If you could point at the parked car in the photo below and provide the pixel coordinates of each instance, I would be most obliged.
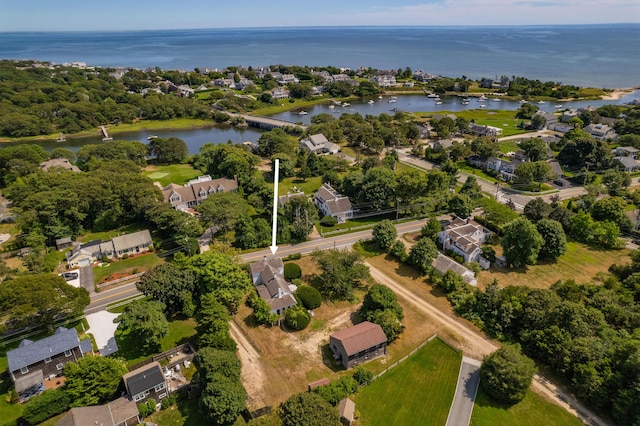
(70, 276)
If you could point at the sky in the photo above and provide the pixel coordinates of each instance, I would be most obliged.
(87, 15)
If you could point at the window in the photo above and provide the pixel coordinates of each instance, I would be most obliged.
(162, 395)
(138, 397)
(67, 352)
(159, 387)
(24, 370)
(60, 366)
(47, 360)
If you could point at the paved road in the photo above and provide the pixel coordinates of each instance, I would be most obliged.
(466, 390)
(99, 301)
(338, 242)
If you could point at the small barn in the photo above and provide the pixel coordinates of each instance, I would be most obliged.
(358, 344)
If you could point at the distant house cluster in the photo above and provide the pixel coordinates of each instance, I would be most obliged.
(332, 203)
(196, 191)
(268, 277)
(129, 244)
(626, 158)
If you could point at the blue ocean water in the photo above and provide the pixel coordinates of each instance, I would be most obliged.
(586, 55)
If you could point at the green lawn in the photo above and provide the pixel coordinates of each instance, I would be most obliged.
(140, 263)
(481, 174)
(417, 392)
(180, 331)
(365, 221)
(173, 173)
(107, 235)
(293, 184)
(533, 410)
(509, 146)
(9, 413)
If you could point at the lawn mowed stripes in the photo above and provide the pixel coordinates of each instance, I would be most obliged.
(417, 392)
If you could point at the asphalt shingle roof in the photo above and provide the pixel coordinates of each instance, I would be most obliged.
(29, 353)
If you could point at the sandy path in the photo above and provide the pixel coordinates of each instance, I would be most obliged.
(475, 345)
(252, 373)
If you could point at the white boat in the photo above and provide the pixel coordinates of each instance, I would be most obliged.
(439, 103)
(465, 102)
(496, 99)
(482, 98)
(332, 106)
(371, 101)
(303, 113)
(61, 138)
(392, 101)
(346, 104)
(437, 98)
(433, 95)
(541, 102)
(522, 101)
(380, 97)
(151, 137)
(482, 106)
(559, 106)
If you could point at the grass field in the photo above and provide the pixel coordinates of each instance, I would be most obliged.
(107, 235)
(174, 173)
(579, 263)
(533, 410)
(417, 392)
(141, 263)
(503, 119)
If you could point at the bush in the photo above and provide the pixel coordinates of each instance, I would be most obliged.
(506, 374)
(337, 390)
(297, 318)
(328, 221)
(362, 376)
(168, 401)
(147, 408)
(399, 250)
(44, 406)
(294, 256)
(292, 271)
(309, 296)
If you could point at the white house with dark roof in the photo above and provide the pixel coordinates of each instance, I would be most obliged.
(319, 144)
(146, 382)
(196, 191)
(332, 203)
(268, 277)
(465, 238)
(627, 151)
(34, 361)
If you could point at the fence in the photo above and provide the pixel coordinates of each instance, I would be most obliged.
(120, 280)
(33, 331)
(404, 358)
(186, 349)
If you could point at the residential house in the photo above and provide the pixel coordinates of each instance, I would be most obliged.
(358, 344)
(422, 76)
(324, 74)
(569, 114)
(268, 277)
(508, 170)
(495, 164)
(319, 144)
(600, 131)
(280, 93)
(443, 264)
(223, 82)
(480, 130)
(465, 238)
(477, 161)
(560, 127)
(285, 198)
(628, 164)
(129, 244)
(550, 118)
(63, 243)
(196, 191)
(384, 80)
(347, 411)
(146, 382)
(34, 361)
(442, 144)
(627, 151)
(62, 163)
(332, 203)
(121, 412)
(185, 90)
(557, 168)
(287, 79)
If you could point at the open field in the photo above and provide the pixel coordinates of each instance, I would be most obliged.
(129, 266)
(417, 392)
(579, 263)
(174, 173)
(533, 410)
(503, 119)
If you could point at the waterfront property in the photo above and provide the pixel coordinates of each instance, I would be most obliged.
(33, 362)
(358, 344)
(319, 144)
(62, 163)
(196, 191)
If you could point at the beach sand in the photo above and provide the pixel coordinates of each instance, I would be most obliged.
(616, 94)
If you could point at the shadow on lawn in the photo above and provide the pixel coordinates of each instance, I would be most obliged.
(327, 359)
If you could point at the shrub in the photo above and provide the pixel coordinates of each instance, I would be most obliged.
(297, 318)
(399, 250)
(125, 256)
(328, 221)
(168, 401)
(506, 375)
(294, 256)
(292, 271)
(44, 406)
(147, 408)
(362, 376)
(337, 390)
(310, 297)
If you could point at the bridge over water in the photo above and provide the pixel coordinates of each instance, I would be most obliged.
(266, 123)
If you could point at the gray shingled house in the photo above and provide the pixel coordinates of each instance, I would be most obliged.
(146, 382)
(121, 412)
(358, 344)
(332, 203)
(268, 277)
(33, 362)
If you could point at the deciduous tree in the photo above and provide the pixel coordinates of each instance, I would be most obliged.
(555, 241)
(384, 234)
(521, 242)
(506, 374)
(145, 322)
(308, 409)
(422, 254)
(341, 272)
(93, 380)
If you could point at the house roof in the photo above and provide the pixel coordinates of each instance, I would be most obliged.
(258, 267)
(318, 139)
(627, 162)
(347, 409)
(285, 198)
(629, 149)
(360, 337)
(339, 206)
(113, 413)
(65, 240)
(443, 264)
(58, 162)
(29, 380)
(282, 302)
(143, 378)
(335, 202)
(128, 241)
(30, 352)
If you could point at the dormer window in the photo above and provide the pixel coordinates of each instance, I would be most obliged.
(211, 190)
(203, 193)
(174, 198)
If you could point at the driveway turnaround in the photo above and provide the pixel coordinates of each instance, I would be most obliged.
(466, 389)
(103, 328)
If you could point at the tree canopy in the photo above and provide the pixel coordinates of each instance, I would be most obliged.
(308, 409)
(506, 374)
(341, 271)
(93, 380)
(172, 286)
(521, 242)
(143, 321)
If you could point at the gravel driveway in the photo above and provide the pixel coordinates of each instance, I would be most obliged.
(103, 328)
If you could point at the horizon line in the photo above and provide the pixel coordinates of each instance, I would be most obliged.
(331, 27)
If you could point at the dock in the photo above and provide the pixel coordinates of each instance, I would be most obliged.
(105, 135)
